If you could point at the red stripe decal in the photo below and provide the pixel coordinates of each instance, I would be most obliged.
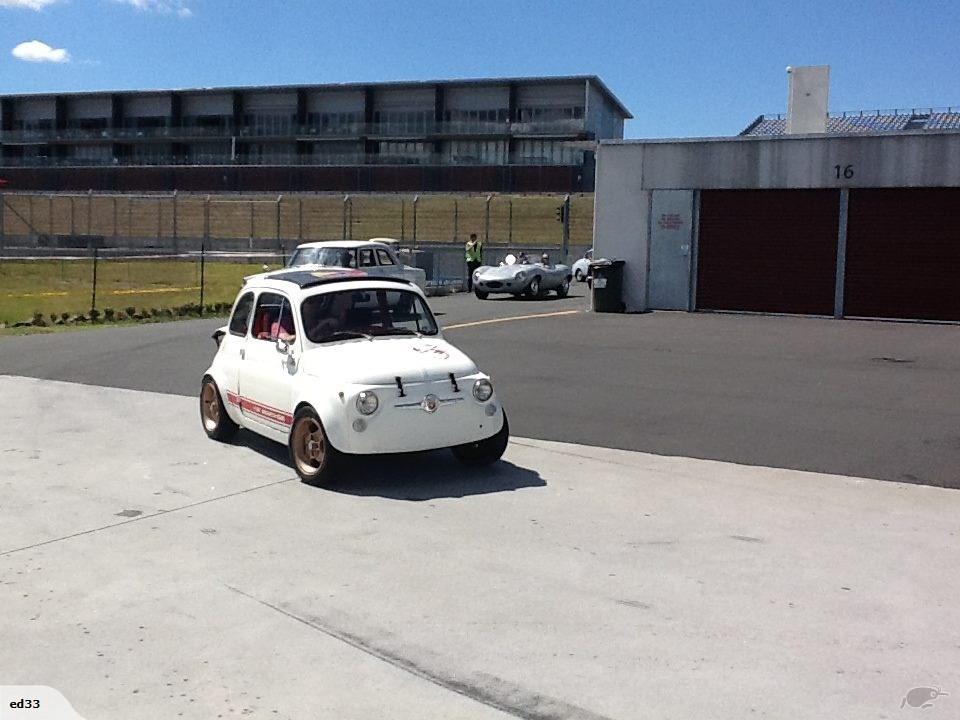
(264, 411)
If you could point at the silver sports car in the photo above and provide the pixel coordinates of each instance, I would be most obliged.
(522, 278)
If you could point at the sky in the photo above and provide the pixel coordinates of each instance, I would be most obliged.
(682, 68)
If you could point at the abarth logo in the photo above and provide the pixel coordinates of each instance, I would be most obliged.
(430, 403)
(921, 697)
(433, 350)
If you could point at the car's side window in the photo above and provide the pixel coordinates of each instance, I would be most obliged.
(366, 258)
(273, 318)
(384, 257)
(241, 315)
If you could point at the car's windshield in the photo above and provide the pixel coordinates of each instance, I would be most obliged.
(365, 313)
(325, 256)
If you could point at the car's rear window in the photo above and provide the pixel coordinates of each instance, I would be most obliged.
(357, 313)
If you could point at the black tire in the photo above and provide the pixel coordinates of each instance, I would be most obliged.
(213, 415)
(305, 433)
(578, 274)
(564, 288)
(533, 289)
(481, 295)
(484, 452)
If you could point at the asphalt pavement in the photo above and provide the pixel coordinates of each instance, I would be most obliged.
(148, 572)
(858, 398)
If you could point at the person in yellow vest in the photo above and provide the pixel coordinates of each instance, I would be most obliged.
(474, 254)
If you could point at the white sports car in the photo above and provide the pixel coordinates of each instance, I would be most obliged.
(581, 268)
(335, 362)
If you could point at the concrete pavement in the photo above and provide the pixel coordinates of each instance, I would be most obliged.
(148, 572)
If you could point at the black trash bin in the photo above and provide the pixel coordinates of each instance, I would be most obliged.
(607, 287)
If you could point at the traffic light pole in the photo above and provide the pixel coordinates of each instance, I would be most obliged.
(566, 227)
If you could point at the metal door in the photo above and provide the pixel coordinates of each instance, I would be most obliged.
(671, 238)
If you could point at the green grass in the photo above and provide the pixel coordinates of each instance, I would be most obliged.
(66, 286)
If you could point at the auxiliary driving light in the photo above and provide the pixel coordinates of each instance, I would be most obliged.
(490, 409)
(359, 424)
(367, 402)
(482, 390)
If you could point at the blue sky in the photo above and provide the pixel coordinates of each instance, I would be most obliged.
(683, 69)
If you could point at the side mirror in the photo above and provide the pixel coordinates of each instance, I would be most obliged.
(218, 336)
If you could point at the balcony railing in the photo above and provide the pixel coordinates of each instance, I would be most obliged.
(351, 130)
(333, 160)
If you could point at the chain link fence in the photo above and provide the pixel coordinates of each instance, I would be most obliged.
(170, 223)
(76, 258)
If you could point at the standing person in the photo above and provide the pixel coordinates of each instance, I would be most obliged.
(474, 254)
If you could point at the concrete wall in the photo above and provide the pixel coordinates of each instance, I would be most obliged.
(628, 171)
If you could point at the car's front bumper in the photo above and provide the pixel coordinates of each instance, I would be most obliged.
(501, 286)
(401, 424)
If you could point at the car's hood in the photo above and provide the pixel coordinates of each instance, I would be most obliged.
(381, 360)
(503, 272)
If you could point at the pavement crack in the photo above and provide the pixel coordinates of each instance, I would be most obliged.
(490, 690)
(145, 516)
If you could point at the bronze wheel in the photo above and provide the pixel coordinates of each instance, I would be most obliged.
(216, 423)
(312, 454)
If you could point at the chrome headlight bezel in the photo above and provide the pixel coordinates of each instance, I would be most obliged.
(367, 402)
(482, 390)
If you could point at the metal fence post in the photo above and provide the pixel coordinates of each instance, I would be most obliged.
(486, 222)
(403, 218)
(114, 217)
(416, 199)
(203, 256)
(346, 199)
(456, 221)
(251, 226)
(159, 219)
(93, 297)
(73, 230)
(279, 199)
(89, 212)
(566, 227)
(300, 219)
(3, 205)
(176, 230)
(510, 224)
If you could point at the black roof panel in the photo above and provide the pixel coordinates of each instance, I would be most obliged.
(312, 278)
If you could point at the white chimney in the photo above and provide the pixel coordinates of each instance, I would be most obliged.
(807, 93)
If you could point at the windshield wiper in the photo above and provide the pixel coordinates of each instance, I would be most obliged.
(344, 335)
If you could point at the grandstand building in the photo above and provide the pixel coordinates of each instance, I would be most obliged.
(508, 134)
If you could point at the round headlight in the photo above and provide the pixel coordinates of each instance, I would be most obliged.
(482, 390)
(521, 275)
(476, 274)
(367, 402)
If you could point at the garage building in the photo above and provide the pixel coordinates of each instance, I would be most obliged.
(856, 224)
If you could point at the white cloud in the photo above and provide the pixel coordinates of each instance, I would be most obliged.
(26, 4)
(180, 8)
(36, 51)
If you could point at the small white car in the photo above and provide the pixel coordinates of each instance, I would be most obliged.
(335, 362)
(375, 257)
(581, 268)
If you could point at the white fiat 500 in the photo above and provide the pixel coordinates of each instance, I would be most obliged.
(335, 362)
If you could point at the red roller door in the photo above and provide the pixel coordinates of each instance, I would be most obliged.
(903, 254)
(768, 250)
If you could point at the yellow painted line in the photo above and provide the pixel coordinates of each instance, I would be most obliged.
(143, 291)
(511, 319)
(156, 290)
(42, 294)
